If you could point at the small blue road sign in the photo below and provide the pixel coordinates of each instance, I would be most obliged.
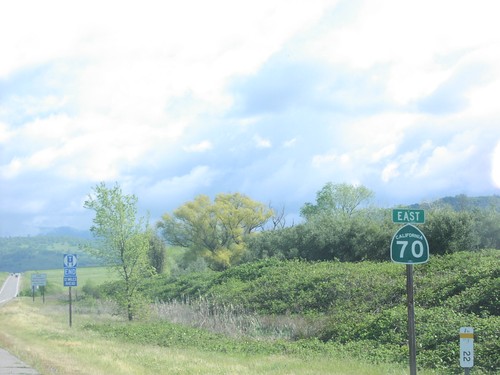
(70, 281)
(69, 272)
(70, 278)
(70, 260)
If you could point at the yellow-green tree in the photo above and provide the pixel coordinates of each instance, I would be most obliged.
(215, 230)
(122, 240)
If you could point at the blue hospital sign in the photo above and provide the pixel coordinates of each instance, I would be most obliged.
(70, 260)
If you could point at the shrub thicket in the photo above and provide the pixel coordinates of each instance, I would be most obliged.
(365, 234)
(363, 305)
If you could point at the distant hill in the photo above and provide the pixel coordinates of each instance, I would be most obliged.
(32, 253)
(65, 231)
(462, 202)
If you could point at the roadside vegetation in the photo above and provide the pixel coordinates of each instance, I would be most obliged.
(359, 307)
(3, 276)
(238, 284)
(102, 343)
(270, 317)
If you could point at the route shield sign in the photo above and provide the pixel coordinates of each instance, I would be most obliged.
(409, 246)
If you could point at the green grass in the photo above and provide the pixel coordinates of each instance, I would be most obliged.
(40, 335)
(86, 275)
(3, 276)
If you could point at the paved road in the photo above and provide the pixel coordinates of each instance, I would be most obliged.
(10, 365)
(10, 288)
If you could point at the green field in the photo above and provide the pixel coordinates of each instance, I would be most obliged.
(86, 276)
(3, 276)
(21, 254)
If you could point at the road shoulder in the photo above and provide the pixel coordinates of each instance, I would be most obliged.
(10, 365)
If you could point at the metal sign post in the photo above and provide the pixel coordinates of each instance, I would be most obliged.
(39, 280)
(409, 246)
(70, 310)
(412, 341)
(70, 278)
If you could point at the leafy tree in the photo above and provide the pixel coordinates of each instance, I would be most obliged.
(488, 227)
(449, 231)
(278, 243)
(340, 199)
(216, 230)
(363, 236)
(156, 252)
(122, 239)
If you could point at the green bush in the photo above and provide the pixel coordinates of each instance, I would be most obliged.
(362, 236)
(464, 281)
(362, 306)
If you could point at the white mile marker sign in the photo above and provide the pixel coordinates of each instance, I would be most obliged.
(466, 347)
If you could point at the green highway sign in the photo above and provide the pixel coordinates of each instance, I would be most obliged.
(39, 279)
(400, 215)
(409, 246)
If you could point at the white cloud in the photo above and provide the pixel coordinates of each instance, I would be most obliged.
(384, 152)
(495, 166)
(5, 134)
(290, 142)
(419, 42)
(32, 206)
(262, 142)
(12, 169)
(320, 160)
(390, 172)
(31, 106)
(373, 139)
(330, 159)
(444, 160)
(43, 131)
(390, 94)
(129, 57)
(410, 161)
(482, 98)
(175, 190)
(199, 147)
(94, 148)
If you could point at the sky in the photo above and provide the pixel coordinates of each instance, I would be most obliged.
(271, 99)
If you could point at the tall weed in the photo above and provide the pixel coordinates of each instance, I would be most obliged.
(234, 321)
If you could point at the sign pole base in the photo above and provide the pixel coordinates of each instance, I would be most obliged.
(70, 316)
(411, 320)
